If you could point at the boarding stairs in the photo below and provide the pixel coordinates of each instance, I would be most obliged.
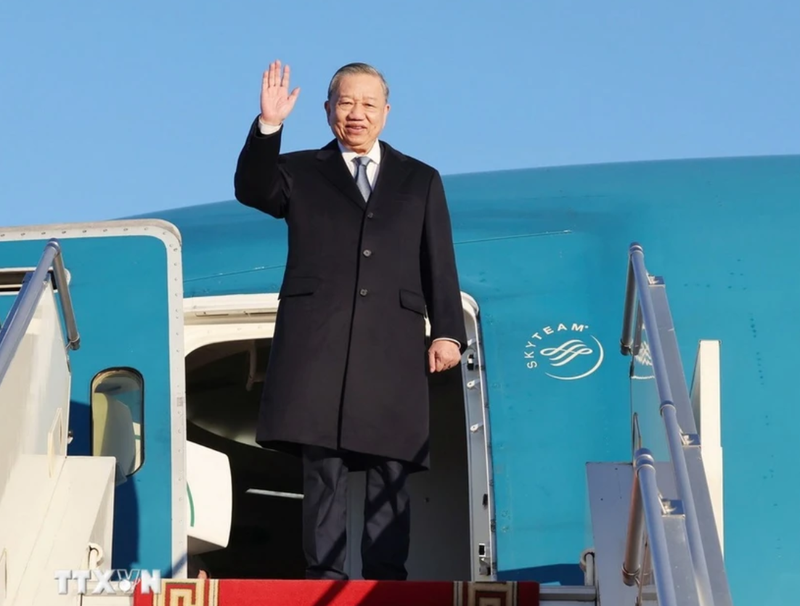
(51, 506)
(656, 518)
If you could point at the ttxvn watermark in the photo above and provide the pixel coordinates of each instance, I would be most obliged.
(112, 581)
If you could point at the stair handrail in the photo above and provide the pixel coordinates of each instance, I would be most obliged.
(646, 512)
(24, 307)
(637, 287)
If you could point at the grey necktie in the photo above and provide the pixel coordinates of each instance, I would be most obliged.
(361, 176)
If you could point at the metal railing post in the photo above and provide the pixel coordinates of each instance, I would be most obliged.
(64, 294)
(19, 318)
(634, 542)
(627, 313)
(645, 470)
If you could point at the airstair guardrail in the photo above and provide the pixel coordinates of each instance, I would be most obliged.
(646, 512)
(637, 288)
(19, 318)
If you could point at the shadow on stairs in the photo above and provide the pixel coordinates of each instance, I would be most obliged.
(229, 592)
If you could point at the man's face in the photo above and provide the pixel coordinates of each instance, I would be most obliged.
(357, 112)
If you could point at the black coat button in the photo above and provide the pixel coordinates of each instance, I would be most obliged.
(364, 292)
(367, 253)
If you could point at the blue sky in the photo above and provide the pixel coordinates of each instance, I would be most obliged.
(115, 108)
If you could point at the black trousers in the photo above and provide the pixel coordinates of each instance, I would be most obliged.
(387, 516)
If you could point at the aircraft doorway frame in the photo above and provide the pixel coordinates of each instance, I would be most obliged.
(220, 319)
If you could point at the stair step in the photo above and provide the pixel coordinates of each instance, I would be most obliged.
(231, 592)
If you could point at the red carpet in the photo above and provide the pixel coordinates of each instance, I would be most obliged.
(335, 593)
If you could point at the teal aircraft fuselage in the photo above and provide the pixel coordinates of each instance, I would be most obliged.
(544, 254)
(547, 247)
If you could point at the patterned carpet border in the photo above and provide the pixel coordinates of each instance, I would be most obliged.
(194, 592)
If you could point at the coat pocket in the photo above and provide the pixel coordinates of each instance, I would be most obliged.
(298, 286)
(412, 301)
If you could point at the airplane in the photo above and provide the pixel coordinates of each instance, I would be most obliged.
(608, 307)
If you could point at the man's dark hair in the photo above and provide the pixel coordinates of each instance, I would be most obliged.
(355, 68)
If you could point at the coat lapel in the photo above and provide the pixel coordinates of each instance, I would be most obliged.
(331, 164)
(393, 171)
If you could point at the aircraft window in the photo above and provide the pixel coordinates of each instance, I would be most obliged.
(117, 411)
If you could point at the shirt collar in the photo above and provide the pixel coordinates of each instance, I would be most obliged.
(374, 154)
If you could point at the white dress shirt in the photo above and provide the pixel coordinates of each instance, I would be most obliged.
(372, 168)
(348, 155)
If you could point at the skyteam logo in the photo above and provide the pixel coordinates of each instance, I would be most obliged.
(565, 351)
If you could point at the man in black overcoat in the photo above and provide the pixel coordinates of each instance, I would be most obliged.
(370, 256)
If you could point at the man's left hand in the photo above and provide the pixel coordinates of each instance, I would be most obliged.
(443, 355)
